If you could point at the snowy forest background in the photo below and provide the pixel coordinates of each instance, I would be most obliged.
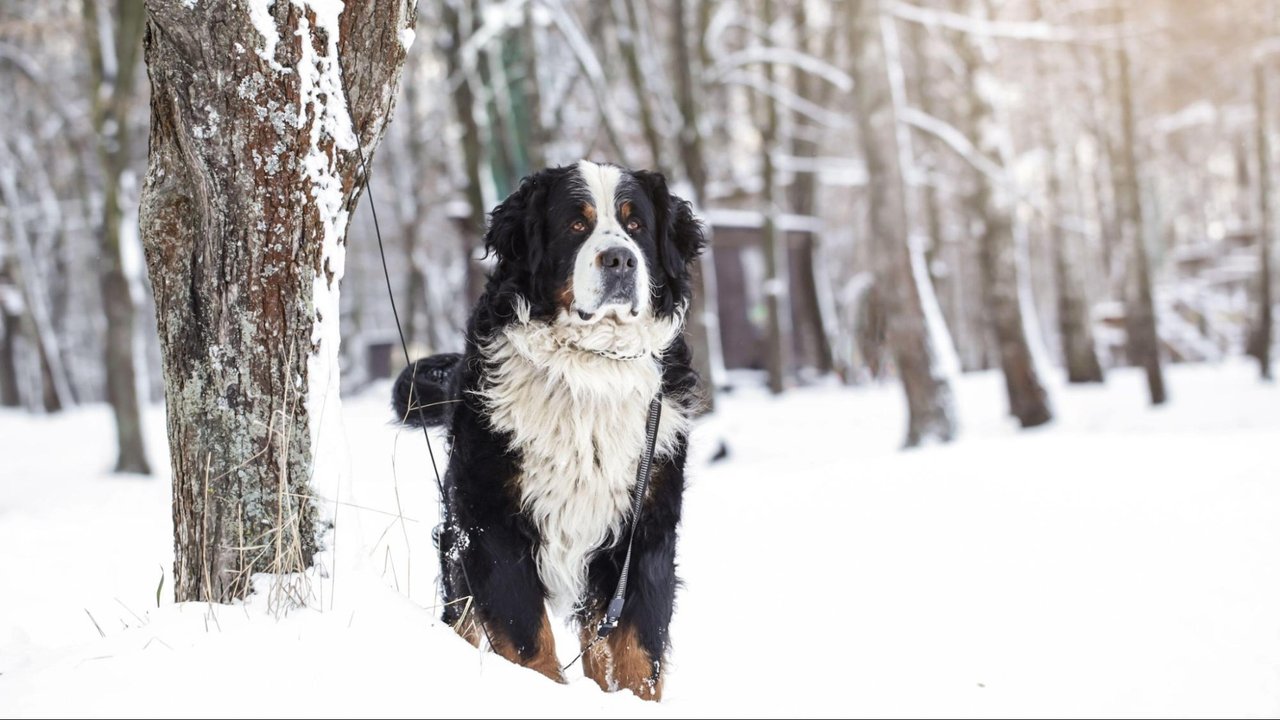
(1023, 213)
(1051, 140)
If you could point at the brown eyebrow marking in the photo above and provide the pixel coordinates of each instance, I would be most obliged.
(589, 212)
(625, 210)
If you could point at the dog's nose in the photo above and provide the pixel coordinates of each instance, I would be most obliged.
(618, 262)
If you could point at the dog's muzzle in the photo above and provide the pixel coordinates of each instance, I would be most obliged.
(616, 270)
(617, 275)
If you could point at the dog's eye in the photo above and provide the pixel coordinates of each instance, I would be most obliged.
(633, 225)
(578, 226)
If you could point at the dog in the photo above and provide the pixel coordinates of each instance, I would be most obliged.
(578, 330)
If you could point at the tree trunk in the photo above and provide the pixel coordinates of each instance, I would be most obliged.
(775, 244)
(988, 200)
(464, 107)
(623, 14)
(1261, 340)
(10, 321)
(258, 120)
(803, 191)
(930, 403)
(1074, 322)
(114, 72)
(536, 133)
(30, 296)
(703, 326)
(1140, 315)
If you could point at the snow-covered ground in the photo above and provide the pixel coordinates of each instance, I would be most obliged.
(1123, 561)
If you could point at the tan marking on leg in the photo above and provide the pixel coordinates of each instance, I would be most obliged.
(618, 662)
(543, 658)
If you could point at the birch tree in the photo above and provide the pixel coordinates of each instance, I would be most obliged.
(261, 113)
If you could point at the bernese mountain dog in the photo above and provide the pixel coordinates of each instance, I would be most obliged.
(578, 330)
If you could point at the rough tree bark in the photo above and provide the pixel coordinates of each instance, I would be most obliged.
(1140, 314)
(930, 402)
(114, 39)
(988, 201)
(258, 115)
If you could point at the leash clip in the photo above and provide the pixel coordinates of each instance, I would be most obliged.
(611, 617)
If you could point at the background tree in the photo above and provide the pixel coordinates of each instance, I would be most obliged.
(930, 403)
(113, 35)
(1144, 340)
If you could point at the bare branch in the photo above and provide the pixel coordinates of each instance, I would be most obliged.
(956, 140)
(783, 56)
(1005, 29)
(787, 98)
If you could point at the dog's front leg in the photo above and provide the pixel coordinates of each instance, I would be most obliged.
(507, 608)
(631, 657)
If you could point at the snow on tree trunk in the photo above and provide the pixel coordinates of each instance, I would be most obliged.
(988, 202)
(901, 280)
(253, 173)
(1140, 315)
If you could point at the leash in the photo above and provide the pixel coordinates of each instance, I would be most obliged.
(643, 471)
(404, 345)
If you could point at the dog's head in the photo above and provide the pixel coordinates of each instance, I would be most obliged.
(590, 243)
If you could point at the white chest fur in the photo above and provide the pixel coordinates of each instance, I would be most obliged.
(578, 421)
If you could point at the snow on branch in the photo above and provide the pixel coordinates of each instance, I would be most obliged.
(783, 56)
(1038, 31)
(956, 140)
(787, 98)
(591, 67)
(1266, 48)
(20, 60)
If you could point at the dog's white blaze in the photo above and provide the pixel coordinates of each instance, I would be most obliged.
(578, 420)
(601, 183)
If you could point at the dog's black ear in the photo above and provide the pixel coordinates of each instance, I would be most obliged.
(679, 233)
(515, 225)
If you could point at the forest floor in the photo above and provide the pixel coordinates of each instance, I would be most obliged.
(1123, 561)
